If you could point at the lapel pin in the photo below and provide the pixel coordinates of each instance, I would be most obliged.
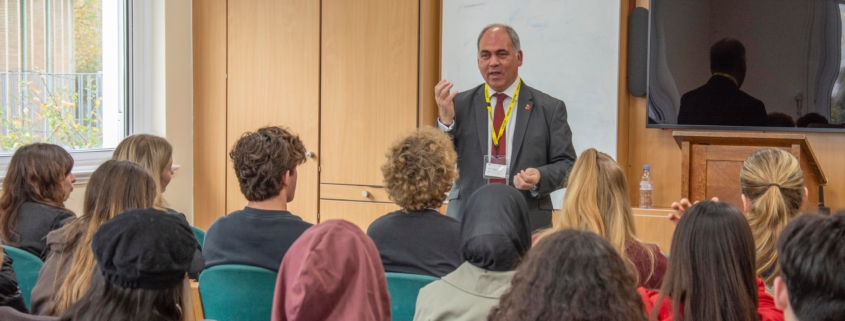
(527, 107)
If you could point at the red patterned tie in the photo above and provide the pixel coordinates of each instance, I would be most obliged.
(498, 117)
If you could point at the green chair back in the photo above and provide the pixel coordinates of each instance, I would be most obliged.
(27, 267)
(404, 289)
(199, 234)
(237, 292)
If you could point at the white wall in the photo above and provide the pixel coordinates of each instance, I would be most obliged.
(171, 101)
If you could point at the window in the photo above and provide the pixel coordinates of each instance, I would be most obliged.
(64, 76)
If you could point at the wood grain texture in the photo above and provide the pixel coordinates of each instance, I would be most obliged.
(370, 85)
(653, 226)
(274, 79)
(196, 301)
(209, 55)
(359, 213)
(354, 193)
(429, 61)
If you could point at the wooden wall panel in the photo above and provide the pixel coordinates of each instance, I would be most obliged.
(369, 85)
(209, 53)
(359, 213)
(274, 70)
(429, 60)
(657, 148)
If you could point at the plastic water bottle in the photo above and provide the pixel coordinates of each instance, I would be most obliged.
(646, 187)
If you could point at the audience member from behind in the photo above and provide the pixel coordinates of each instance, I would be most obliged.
(10, 294)
(571, 275)
(811, 285)
(142, 256)
(37, 183)
(719, 101)
(495, 236)
(776, 119)
(773, 192)
(332, 272)
(155, 154)
(417, 239)
(67, 273)
(810, 118)
(711, 270)
(596, 200)
(260, 234)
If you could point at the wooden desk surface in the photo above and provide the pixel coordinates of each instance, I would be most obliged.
(196, 300)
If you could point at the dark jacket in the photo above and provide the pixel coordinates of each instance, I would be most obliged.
(10, 294)
(420, 242)
(34, 222)
(720, 102)
(542, 139)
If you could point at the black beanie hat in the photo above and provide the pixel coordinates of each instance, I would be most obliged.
(146, 249)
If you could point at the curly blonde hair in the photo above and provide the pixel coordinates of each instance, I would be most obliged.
(420, 169)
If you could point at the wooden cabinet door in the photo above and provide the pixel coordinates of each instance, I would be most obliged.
(273, 79)
(369, 79)
(359, 213)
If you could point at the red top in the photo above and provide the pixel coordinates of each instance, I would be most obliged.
(765, 308)
(639, 257)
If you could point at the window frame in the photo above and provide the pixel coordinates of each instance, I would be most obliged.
(136, 90)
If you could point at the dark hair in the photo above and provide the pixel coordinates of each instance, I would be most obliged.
(811, 118)
(35, 174)
(811, 252)
(571, 275)
(711, 270)
(107, 301)
(727, 55)
(262, 157)
(776, 119)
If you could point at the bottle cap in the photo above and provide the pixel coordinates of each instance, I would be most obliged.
(646, 167)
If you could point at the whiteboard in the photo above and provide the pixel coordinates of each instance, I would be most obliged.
(570, 51)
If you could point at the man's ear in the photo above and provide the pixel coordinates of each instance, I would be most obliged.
(746, 204)
(781, 295)
(285, 178)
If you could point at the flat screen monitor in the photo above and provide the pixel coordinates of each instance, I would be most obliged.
(746, 64)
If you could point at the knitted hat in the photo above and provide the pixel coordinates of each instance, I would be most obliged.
(146, 249)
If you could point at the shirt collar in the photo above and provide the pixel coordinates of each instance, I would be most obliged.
(509, 91)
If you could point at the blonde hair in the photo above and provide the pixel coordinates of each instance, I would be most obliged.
(152, 153)
(420, 169)
(773, 182)
(596, 200)
(113, 187)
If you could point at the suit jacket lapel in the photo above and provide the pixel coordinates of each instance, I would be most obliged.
(479, 107)
(522, 114)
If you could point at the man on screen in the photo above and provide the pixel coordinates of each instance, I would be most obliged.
(505, 131)
(719, 101)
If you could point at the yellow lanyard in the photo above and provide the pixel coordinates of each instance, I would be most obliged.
(498, 136)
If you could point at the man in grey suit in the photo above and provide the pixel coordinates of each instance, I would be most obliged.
(526, 144)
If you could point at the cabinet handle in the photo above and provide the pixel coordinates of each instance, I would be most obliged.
(365, 194)
(308, 154)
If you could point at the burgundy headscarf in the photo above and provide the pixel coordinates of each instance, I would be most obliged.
(332, 272)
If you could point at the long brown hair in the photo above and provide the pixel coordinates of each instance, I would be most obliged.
(773, 182)
(35, 174)
(113, 187)
(571, 275)
(711, 266)
(596, 200)
(152, 153)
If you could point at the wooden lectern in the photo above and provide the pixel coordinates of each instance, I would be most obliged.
(711, 161)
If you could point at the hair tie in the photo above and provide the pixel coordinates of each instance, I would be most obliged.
(773, 184)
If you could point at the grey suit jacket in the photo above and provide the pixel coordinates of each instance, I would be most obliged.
(542, 140)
